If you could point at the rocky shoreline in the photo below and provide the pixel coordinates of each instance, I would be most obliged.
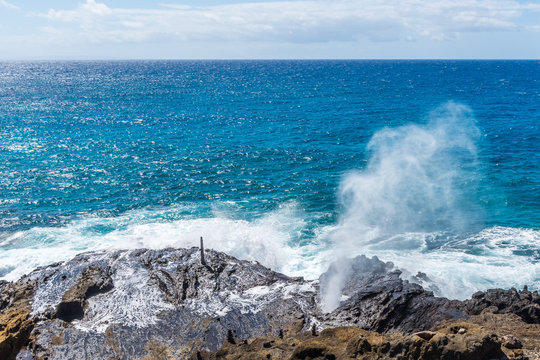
(168, 304)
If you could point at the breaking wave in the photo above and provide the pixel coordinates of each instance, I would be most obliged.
(414, 204)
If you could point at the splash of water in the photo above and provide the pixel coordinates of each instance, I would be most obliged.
(265, 239)
(419, 178)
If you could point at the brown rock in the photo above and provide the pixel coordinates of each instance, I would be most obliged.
(426, 335)
(355, 343)
(511, 342)
(15, 322)
(511, 324)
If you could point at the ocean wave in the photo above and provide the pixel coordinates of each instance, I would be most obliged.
(268, 239)
(493, 257)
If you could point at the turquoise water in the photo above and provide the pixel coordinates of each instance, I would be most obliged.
(431, 164)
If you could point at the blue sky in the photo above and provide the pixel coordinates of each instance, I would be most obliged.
(211, 29)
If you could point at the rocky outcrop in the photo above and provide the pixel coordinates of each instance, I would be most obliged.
(384, 302)
(523, 303)
(167, 304)
(375, 297)
(131, 304)
(354, 343)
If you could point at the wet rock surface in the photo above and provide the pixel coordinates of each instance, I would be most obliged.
(93, 281)
(386, 303)
(131, 304)
(166, 304)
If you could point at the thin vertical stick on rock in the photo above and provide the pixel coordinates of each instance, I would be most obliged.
(202, 252)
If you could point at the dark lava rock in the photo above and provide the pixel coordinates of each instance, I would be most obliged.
(377, 298)
(132, 304)
(388, 303)
(137, 304)
(380, 300)
(523, 303)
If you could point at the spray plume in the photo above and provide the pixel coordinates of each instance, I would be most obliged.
(419, 178)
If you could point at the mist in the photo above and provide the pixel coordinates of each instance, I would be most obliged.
(419, 178)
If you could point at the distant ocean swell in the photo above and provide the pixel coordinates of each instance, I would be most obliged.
(414, 203)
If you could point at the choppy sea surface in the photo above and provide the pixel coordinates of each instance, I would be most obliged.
(433, 165)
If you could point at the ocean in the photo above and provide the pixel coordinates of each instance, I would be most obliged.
(432, 165)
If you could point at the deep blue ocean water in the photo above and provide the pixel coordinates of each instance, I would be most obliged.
(434, 165)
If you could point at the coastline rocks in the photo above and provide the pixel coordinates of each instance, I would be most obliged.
(166, 304)
(15, 321)
(523, 303)
(382, 301)
(130, 304)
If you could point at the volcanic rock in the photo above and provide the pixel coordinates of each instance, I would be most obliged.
(523, 303)
(166, 304)
(131, 304)
(382, 301)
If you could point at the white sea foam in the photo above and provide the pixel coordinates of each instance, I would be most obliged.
(267, 239)
(490, 258)
(483, 260)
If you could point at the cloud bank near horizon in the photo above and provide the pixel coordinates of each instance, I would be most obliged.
(294, 21)
(280, 24)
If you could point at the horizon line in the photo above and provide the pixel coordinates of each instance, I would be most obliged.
(265, 59)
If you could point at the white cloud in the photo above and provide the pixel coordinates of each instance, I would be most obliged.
(8, 5)
(85, 11)
(314, 21)
(91, 7)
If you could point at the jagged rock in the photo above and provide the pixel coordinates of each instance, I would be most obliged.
(15, 320)
(352, 273)
(143, 303)
(523, 303)
(427, 283)
(377, 298)
(382, 301)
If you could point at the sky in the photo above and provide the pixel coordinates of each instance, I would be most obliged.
(286, 29)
